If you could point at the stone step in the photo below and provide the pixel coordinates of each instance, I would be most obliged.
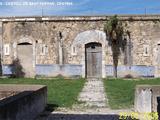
(89, 98)
(98, 96)
(96, 104)
(94, 79)
(92, 91)
(95, 82)
(91, 84)
(94, 86)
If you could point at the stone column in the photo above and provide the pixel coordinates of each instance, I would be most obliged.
(60, 53)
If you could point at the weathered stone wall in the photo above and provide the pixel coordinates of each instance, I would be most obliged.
(54, 32)
(0, 38)
(48, 33)
(16, 31)
(144, 33)
(44, 32)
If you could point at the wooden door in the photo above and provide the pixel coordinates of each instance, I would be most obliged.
(93, 60)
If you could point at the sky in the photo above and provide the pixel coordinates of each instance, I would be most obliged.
(77, 7)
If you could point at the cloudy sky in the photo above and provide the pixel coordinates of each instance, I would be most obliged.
(77, 7)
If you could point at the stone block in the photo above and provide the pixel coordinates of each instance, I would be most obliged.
(25, 103)
(147, 98)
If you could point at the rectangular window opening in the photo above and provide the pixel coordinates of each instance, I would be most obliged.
(6, 49)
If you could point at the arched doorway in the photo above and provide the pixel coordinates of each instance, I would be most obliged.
(93, 59)
(86, 37)
(25, 57)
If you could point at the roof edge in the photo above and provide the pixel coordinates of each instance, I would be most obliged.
(79, 18)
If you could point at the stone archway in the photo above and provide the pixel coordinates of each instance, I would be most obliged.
(91, 36)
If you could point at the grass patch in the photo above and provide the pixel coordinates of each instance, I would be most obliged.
(61, 92)
(120, 92)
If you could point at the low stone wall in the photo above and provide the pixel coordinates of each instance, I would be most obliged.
(133, 71)
(147, 98)
(70, 70)
(66, 70)
(26, 105)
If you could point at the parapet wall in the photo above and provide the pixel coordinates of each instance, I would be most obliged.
(80, 18)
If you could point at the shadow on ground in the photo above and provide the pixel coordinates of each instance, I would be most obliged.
(49, 114)
(63, 116)
(82, 117)
(51, 107)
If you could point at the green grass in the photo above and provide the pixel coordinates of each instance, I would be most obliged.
(61, 92)
(120, 92)
(64, 92)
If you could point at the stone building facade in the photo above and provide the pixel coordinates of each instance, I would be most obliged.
(78, 46)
